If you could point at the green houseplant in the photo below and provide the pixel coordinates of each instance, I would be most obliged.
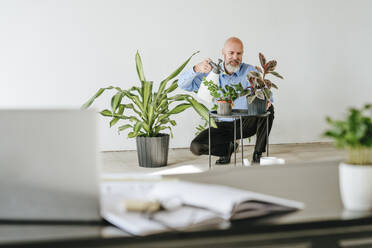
(257, 94)
(261, 86)
(354, 134)
(149, 112)
(225, 96)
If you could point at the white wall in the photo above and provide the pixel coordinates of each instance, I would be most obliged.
(58, 53)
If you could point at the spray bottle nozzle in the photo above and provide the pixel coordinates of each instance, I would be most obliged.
(216, 67)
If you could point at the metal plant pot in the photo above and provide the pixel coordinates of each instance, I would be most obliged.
(224, 108)
(257, 107)
(153, 151)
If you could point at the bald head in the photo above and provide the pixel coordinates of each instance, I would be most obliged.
(233, 41)
(233, 54)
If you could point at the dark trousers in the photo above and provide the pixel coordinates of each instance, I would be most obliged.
(223, 135)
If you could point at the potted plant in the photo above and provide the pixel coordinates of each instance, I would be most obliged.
(149, 113)
(224, 97)
(355, 135)
(261, 86)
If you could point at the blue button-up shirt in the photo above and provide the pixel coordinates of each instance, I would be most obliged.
(190, 80)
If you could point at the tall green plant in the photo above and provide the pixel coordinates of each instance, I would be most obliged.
(354, 134)
(151, 111)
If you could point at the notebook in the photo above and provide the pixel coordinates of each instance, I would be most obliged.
(187, 206)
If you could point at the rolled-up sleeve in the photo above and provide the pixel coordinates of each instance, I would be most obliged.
(190, 80)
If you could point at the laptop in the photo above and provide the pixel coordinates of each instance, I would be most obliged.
(48, 166)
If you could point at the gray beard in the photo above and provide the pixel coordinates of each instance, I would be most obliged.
(231, 68)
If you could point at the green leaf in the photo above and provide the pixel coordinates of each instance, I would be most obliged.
(120, 112)
(131, 106)
(132, 135)
(135, 99)
(160, 128)
(238, 87)
(178, 97)
(267, 93)
(174, 74)
(258, 69)
(137, 89)
(137, 127)
(147, 93)
(276, 74)
(262, 59)
(146, 127)
(113, 121)
(179, 108)
(250, 99)
(115, 101)
(260, 82)
(270, 66)
(260, 95)
(106, 112)
(173, 87)
(139, 68)
(172, 122)
(215, 91)
(124, 127)
(254, 74)
(268, 83)
(201, 110)
(163, 117)
(162, 104)
(164, 121)
(91, 100)
(150, 120)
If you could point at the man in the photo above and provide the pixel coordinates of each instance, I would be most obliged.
(222, 144)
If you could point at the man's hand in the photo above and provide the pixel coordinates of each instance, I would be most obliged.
(203, 66)
(268, 104)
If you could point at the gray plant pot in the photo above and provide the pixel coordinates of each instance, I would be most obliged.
(153, 151)
(257, 107)
(224, 108)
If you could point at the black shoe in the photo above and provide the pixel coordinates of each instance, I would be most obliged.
(256, 157)
(226, 159)
(223, 160)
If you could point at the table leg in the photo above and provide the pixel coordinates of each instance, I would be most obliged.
(267, 135)
(209, 139)
(234, 141)
(241, 138)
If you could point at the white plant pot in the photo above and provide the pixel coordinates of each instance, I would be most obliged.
(356, 186)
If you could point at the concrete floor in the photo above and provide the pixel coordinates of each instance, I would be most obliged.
(126, 161)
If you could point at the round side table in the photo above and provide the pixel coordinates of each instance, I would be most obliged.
(237, 114)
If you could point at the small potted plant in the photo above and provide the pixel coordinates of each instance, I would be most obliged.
(355, 135)
(149, 113)
(261, 86)
(224, 97)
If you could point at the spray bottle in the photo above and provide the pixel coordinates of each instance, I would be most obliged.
(214, 76)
